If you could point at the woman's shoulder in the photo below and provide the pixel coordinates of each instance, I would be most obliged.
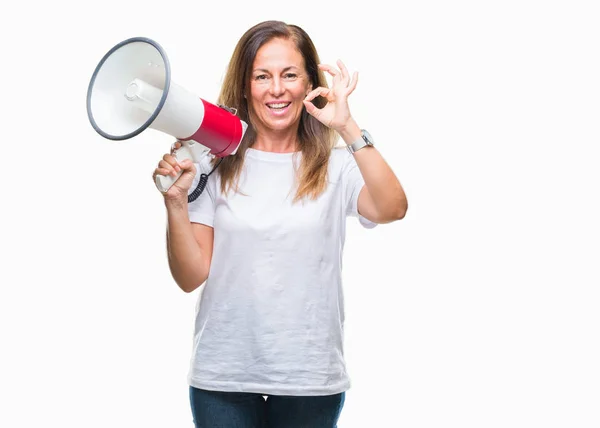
(339, 160)
(339, 157)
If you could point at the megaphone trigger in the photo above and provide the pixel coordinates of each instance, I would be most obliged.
(174, 146)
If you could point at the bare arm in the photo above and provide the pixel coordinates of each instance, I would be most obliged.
(189, 245)
(382, 198)
(189, 248)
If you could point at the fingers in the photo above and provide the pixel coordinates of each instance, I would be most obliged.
(329, 69)
(353, 82)
(165, 167)
(342, 75)
(316, 92)
(343, 69)
(169, 165)
(170, 162)
(310, 107)
(183, 173)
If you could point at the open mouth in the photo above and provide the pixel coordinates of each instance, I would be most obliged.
(278, 106)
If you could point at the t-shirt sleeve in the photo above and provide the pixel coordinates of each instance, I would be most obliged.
(202, 210)
(354, 183)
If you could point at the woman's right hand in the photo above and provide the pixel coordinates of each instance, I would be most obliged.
(169, 166)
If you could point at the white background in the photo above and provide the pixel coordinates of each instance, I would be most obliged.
(479, 309)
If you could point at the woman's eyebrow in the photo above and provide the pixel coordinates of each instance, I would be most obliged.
(267, 71)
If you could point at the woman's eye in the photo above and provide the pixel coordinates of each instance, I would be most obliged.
(290, 76)
(261, 77)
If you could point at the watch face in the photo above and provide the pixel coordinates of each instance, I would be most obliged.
(367, 137)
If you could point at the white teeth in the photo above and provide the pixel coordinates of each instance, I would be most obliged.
(279, 105)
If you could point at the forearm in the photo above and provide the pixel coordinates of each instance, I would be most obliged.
(384, 187)
(188, 265)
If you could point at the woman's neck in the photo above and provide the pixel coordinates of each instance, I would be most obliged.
(278, 142)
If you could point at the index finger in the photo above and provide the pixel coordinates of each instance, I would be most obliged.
(330, 69)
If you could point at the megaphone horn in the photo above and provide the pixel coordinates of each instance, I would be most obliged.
(131, 90)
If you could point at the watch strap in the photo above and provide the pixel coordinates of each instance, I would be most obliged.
(359, 143)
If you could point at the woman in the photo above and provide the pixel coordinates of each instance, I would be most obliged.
(267, 237)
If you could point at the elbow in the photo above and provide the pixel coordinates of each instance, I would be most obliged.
(397, 208)
(190, 286)
(401, 213)
(398, 212)
(190, 280)
(186, 288)
(402, 208)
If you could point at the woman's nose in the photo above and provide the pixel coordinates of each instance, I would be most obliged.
(276, 87)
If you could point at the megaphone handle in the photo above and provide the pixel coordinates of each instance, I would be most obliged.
(164, 182)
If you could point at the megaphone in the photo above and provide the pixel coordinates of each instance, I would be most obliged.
(131, 90)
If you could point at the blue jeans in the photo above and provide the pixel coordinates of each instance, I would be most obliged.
(213, 409)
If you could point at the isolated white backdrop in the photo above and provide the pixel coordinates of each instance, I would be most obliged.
(479, 309)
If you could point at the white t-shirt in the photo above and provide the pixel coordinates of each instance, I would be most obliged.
(270, 316)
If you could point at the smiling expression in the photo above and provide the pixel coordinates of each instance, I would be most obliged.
(278, 85)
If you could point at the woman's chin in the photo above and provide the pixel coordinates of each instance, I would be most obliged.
(279, 125)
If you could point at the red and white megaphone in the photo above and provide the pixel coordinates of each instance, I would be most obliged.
(131, 90)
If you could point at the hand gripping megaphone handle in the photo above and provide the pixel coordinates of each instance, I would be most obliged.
(188, 150)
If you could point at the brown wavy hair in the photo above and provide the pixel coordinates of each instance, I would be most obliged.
(315, 140)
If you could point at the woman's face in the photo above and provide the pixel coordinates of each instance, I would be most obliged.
(278, 85)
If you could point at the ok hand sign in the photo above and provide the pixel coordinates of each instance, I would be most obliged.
(336, 113)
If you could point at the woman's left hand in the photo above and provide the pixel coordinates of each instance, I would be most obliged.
(336, 113)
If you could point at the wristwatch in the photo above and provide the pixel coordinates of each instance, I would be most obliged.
(364, 140)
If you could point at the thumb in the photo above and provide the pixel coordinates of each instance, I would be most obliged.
(188, 166)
